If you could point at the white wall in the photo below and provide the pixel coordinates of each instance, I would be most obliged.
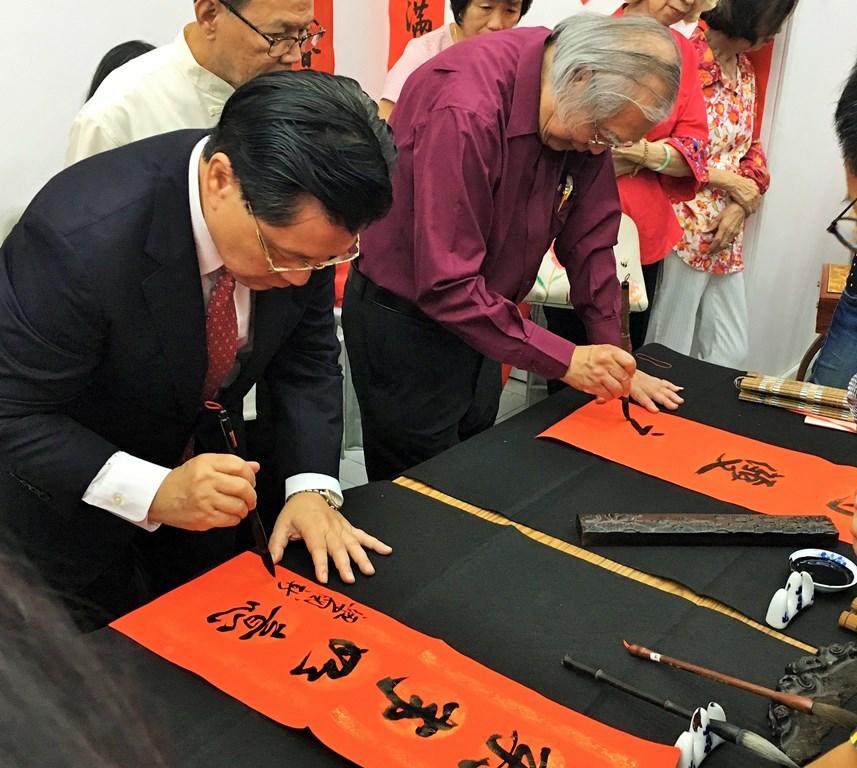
(788, 243)
(548, 12)
(48, 54)
(361, 46)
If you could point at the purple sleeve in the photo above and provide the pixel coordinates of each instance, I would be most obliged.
(453, 207)
(585, 249)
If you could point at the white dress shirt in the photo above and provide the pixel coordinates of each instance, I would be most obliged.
(126, 485)
(162, 90)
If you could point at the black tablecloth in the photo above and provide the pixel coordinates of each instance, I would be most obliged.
(514, 605)
(545, 484)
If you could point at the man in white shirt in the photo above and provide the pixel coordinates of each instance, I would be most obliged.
(184, 84)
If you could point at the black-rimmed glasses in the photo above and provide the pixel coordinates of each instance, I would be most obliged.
(281, 45)
(352, 254)
(844, 228)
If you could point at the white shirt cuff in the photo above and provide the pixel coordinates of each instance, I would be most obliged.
(125, 486)
(311, 481)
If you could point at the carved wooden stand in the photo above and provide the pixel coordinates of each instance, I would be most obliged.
(829, 676)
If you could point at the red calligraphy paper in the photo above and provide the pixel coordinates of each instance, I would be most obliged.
(410, 19)
(370, 688)
(735, 469)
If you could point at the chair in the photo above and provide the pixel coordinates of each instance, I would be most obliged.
(552, 287)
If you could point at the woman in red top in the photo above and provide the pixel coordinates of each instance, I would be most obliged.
(669, 165)
(702, 303)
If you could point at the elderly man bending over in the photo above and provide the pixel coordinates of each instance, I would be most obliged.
(502, 149)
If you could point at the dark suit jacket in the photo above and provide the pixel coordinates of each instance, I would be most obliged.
(102, 348)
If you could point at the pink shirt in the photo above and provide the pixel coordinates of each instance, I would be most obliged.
(417, 52)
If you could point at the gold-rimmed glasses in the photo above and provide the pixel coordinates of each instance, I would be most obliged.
(599, 142)
(281, 45)
(844, 228)
(352, 254)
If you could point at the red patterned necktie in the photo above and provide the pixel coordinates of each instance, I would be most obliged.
(221, 334)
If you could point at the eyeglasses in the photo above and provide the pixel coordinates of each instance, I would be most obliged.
(352, 254)
(598, 141)
(280, 45)
(844, 228)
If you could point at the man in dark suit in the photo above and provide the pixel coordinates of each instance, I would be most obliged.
(147, 279)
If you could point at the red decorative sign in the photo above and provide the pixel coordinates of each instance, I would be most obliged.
(410, 19)
(735, 469)
(370, 688)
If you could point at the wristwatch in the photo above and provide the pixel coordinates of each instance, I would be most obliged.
(326, 494)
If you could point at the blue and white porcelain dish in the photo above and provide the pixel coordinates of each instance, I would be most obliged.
(830, 571)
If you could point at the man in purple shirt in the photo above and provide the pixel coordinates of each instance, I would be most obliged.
(501, 146)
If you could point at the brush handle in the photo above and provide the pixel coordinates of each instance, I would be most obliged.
(601, 676)
(792, 701)
(728, 731)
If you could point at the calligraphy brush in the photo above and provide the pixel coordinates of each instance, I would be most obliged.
(626, 412)
(625, 324)
(730, 732)
(829, 712)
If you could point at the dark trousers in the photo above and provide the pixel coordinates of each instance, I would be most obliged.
(420, 388)
(567, 323)
(153, 564)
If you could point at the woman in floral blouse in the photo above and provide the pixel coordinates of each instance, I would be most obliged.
(701, 309)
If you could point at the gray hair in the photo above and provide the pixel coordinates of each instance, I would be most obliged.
(620, 53)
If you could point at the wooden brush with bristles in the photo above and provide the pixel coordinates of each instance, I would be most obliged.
(829, 712)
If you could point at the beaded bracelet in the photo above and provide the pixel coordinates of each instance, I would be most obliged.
(643, 162)
(667, 159)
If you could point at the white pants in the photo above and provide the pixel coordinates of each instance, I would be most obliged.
(700, 314)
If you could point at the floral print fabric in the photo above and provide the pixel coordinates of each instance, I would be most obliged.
(731, 110)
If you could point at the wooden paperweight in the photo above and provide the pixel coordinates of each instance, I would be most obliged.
(679, 530)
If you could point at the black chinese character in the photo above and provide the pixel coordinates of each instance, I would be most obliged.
(517, 756)
(844, 506)
(639, 428)
(746, 470)
(346, 653)
(256, 623)
(292, 586)
(415, 23)
(347, 612)
(414, 709)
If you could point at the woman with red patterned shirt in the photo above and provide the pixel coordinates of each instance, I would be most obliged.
(701, 308)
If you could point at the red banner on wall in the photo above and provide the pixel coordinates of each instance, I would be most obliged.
(370, 688)
(321, 58)
(725, 466)
(410, 19)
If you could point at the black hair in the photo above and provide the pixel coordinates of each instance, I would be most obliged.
(116, 57)
(753, 20)
(64, 699)
(295, 134)
(460, 6)
(846, 122)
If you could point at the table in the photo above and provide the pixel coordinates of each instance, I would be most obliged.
(552, 482)
(503, 590)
